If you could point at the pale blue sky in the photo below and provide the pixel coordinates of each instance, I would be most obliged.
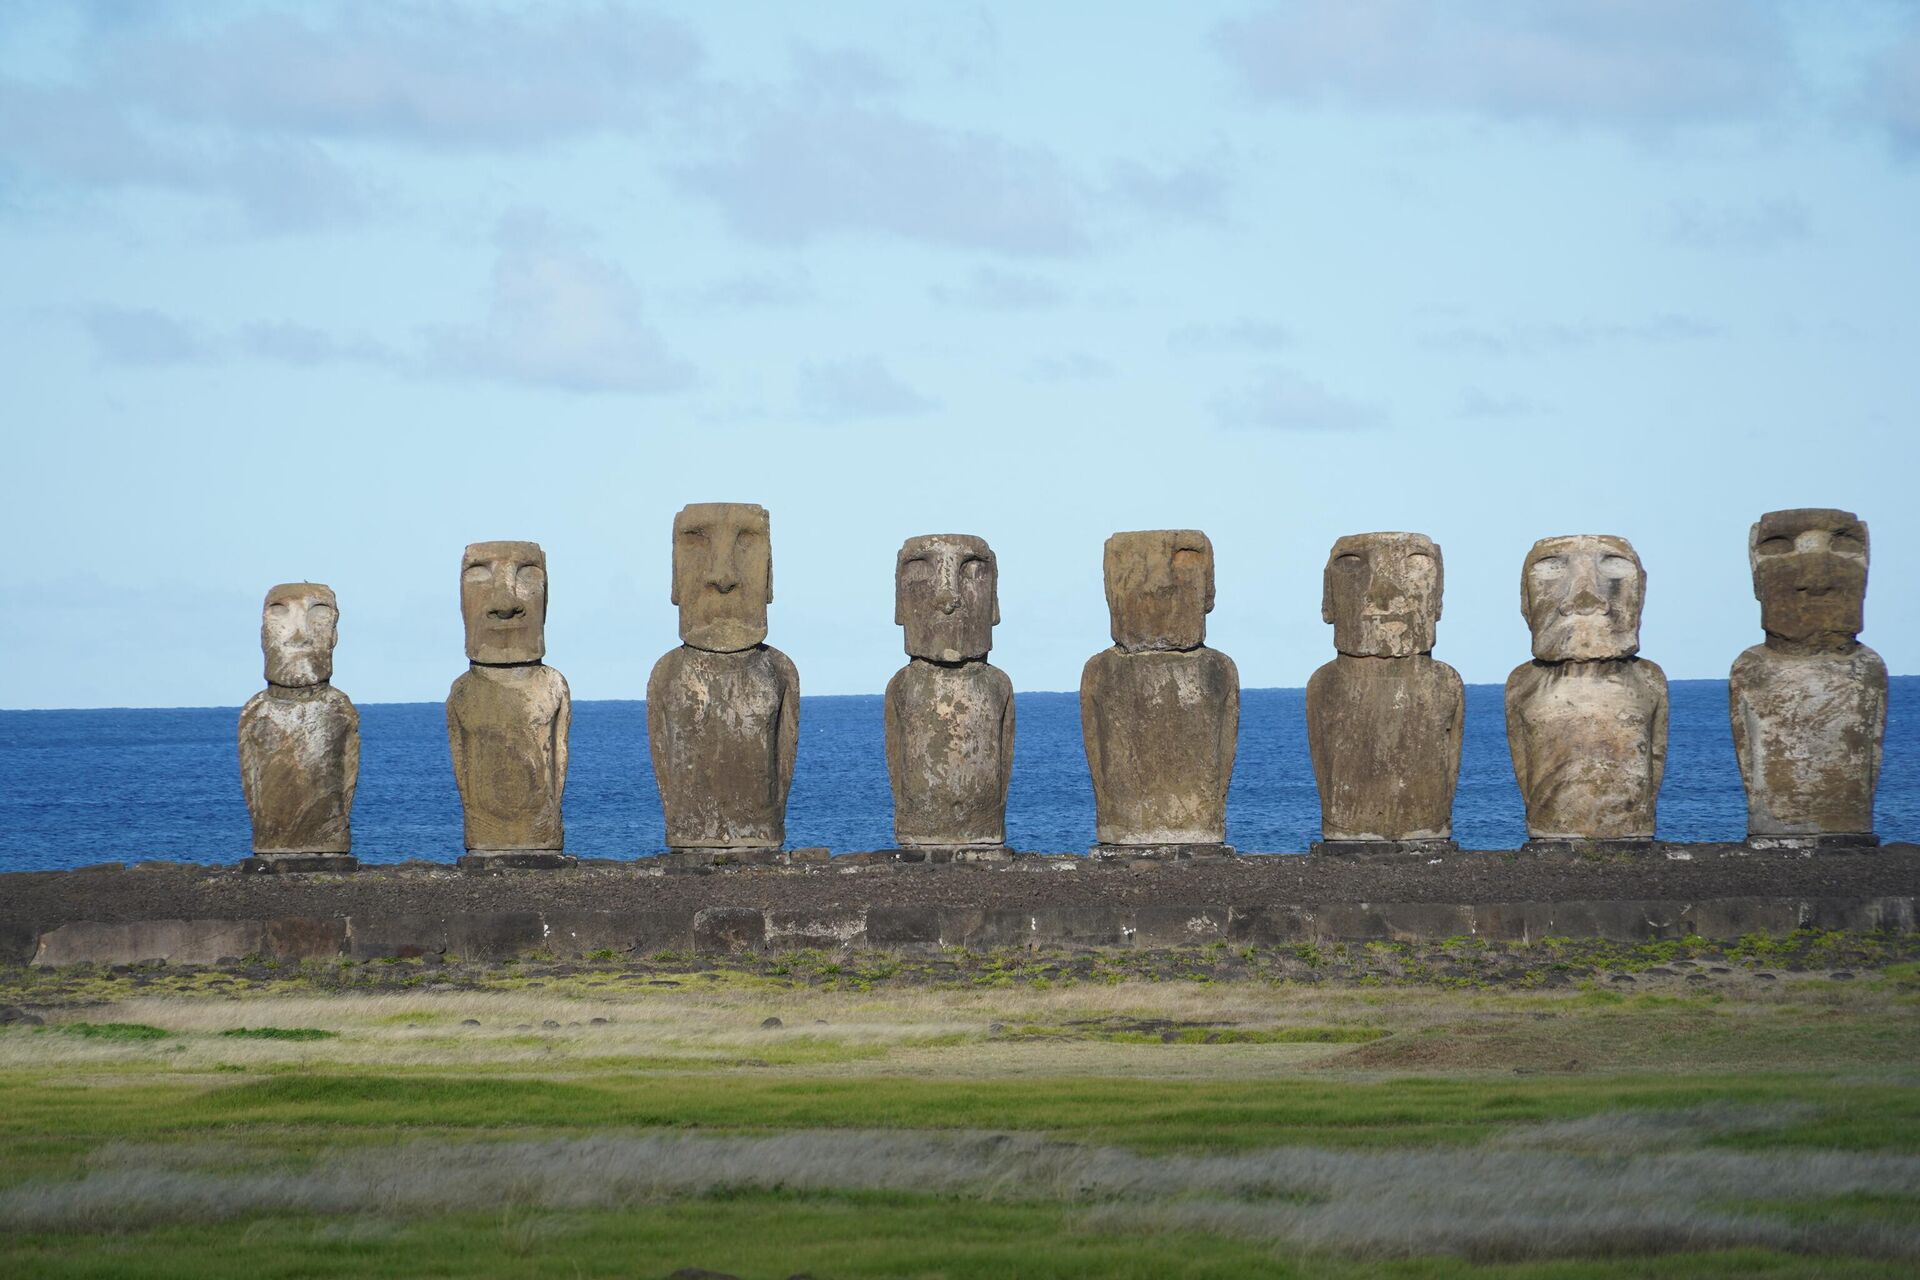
(299, 291)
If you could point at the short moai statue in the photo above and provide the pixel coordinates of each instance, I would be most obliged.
(508, 717)
(1384, 717)
(300, 739)
(723, 709)
(1587, 718)
(1160, 712)
(1809, 705)
(949, 712)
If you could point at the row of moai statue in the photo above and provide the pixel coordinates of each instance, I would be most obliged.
(1586, 717)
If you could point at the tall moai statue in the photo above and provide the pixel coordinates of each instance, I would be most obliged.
(509, 715)
(723, 710)
(300, 739)
(1160, 712)
(1384, 717)
(949, 712)
(1809, 705)
(1587, 718)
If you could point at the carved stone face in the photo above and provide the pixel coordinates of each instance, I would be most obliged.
(503, 597)
(1809, 572)
(1382, 594)
(299, 624)
(1159, 588)
(1581, 595)
(946, 594)
(722, 574)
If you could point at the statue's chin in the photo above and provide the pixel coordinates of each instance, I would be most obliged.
(726, 635)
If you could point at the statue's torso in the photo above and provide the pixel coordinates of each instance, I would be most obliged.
(949, 745)
(1385, 738)
(300, 761)
(1809, 728)
(715, 724)
(1592, 738)
(1160, 731)
(510, 754)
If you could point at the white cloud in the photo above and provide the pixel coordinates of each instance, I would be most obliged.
(140, 335)
(288, 343)
(558, 317)
(1279, 399)
(991, 289)
(1189, 192)
(1636, 64)
(859, 388)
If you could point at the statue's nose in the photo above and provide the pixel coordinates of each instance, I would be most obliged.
(1584, 601)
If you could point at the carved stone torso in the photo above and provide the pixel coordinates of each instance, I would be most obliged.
(1589, 744)
(507, 729)
(1807, 729)
(723, 728)
(1385, 738)
(949, 732)
(1160, 729)
(299, 764)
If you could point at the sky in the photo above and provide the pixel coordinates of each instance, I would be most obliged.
(326, 292)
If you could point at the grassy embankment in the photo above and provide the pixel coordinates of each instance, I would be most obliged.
(1004, 1116)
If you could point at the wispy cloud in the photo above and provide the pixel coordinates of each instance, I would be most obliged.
(992, 289)
(1892, 91)
(1534, 338)
(1634, 64)
(759, 289)
(1756, 227)
(140, 335)
(558, 316)
(1477, 402)
(1282, 400)
(1189, 192)
(1244, 334)
(1073, 366)
(858, 388)
(285, 342)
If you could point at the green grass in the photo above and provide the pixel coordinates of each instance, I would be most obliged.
(278, 1033)
(112, 1030)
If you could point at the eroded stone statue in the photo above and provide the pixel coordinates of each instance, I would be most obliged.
(1384, 717)
(1809, 705)
(509, 715)
(949, 712)
(723, 710)
(1160, 712)
(1587, 718)
(300, 738)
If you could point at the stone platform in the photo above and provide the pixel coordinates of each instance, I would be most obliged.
(188, 914)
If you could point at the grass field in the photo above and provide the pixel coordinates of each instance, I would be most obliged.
(619, 1120)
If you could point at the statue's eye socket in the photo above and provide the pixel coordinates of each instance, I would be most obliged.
(277, 609)
(1549, 567)
(320, 613)
(1847, 542)
(693, 535)
(1616, 567)
(477, 573)
(974, 568)
(1775, 546)
(917, 571)
(1189, 558)
(1348, 561)
(530, 575)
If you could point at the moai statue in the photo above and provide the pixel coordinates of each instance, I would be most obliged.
(723, 710)
(1809, 705)
(1586, 719)
(1384, 717)
(300, 739)
(949, 712)
(1160, 712)
(508, 716)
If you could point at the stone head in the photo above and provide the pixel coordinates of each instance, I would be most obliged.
(1809, 572)
(503, 598)
(1382, 594)
(1581, 595)
(722, 574)
(946, 593)
(299, 625)
(1159, 588)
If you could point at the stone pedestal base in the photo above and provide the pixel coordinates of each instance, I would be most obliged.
(1382, 848)
(286, 863)
(491, 860)
(943, 854)
(1160, 852)
(1588, 847)
(1823, 842)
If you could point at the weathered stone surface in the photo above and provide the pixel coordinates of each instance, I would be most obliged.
(503, 600)
(299, 737)
(147, 941)
(826, 928)
(404, 936)
(722, 574)
(498, 861)
(723, 729)
(1384, 717)
(1160, 712)
(507, 729)
(299, 864)
(718, 930)
(949, 713)
(305, 937)
(1809, 706)
(1586, 719)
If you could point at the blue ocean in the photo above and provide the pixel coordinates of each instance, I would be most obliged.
(123, 785)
